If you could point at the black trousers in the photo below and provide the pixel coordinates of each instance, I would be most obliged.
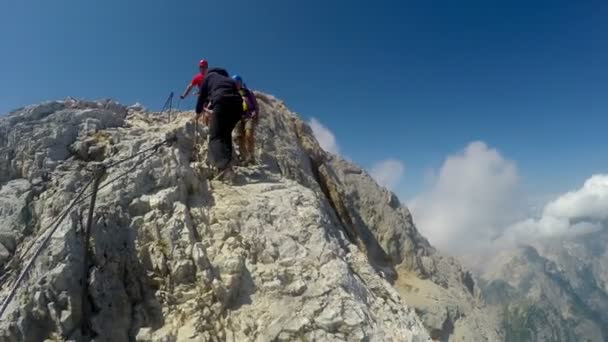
(225, 117)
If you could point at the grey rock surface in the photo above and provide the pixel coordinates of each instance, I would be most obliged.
(285, 253)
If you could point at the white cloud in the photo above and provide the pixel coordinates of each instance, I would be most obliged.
(388, 172)
(324, 136)
(474, 206)
(589, 202)
(473, 197)
(573, 213)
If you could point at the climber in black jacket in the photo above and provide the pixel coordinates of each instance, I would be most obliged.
(227, 107)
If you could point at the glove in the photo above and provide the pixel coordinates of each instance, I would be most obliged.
(182, 97)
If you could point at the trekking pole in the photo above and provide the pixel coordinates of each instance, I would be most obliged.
(168, 104)
(170, 107)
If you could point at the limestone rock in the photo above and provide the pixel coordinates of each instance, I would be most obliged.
(373, 219)
(176, 257)
(4, 254)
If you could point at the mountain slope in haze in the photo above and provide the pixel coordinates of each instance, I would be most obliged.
(555, 290)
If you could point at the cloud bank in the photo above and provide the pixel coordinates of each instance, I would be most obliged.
(473, 197)
(573, 213)
(476, 203)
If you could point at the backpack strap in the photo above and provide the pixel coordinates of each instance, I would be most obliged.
(244, 99)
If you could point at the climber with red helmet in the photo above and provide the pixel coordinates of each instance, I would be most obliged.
(198, 79)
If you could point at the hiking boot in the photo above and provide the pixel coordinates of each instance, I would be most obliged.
(226, 174)
(243, 159)
(238, 158)
(220, 174)
(229, 176)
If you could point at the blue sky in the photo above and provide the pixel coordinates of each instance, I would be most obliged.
(414, 81)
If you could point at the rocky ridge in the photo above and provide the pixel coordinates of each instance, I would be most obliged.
(303, 246)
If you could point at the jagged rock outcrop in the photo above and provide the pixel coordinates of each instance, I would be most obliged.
(304, 246)
(443, 293)
(176, 257)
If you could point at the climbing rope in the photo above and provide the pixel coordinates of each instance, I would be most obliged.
(132, 168)
(8, 298)
(154, 147)
(98, 173)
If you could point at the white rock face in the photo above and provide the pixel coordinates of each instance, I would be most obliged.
(291, 251)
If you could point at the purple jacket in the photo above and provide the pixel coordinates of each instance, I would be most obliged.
(250, 100)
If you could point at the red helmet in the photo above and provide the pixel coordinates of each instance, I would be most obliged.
(203, 64)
